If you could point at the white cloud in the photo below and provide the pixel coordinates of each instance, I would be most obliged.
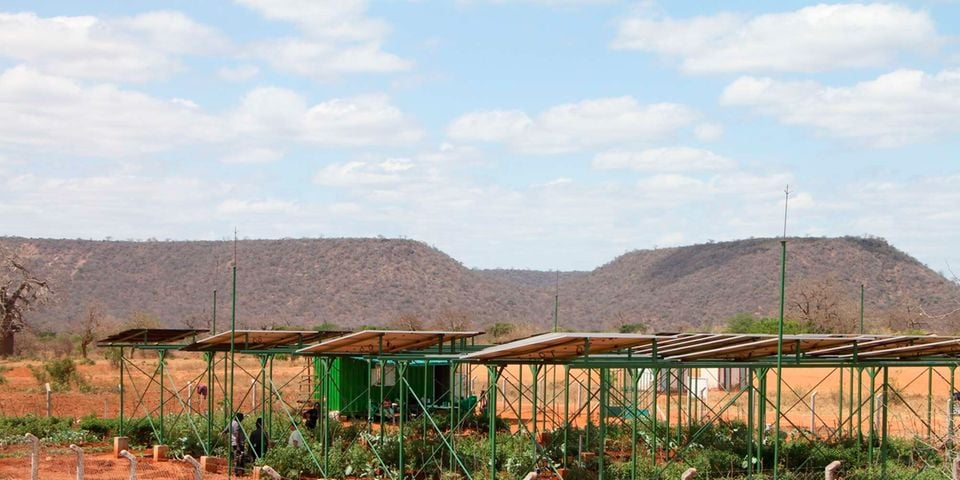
(139, 48)
(708, 132)
(255, 207)
(326, 60)
(815, 38)
(277, 113)
(666, 159)
(574, 126)
(251, 156)
(52, 113)
(239, 73)
(362, 174)
(894, 109)
(338, 38)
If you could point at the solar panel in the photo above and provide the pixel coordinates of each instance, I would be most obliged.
(368, 342)
(261, 340)
(147, 336)
(560, 346)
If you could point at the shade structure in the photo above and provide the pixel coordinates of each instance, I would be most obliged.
(368, 342)
(262, 340)
(560, 346)
(149, 336)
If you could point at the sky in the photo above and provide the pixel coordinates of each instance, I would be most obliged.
(543, 134)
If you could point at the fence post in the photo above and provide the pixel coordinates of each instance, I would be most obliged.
(79, 452)
(197, 473)
(35, 456)
(813, 413)
(49, 400)
(830, 473)
(133, 463)
(270, 472)
(956, 468)
(689, 474)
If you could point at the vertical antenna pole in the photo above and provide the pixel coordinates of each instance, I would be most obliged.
(233, 334)
(783, 281)
(861, 309)
(556, 305)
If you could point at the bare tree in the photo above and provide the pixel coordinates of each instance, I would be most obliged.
(20, 292)
(90, 327)
(454, 320)
(820, 304)
(407, 321)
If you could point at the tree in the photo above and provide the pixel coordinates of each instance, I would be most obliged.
(501, 329)
(90, 327)
(454, 320)
(747, 323)
(820, 304)
(407, 321)
(20, 292)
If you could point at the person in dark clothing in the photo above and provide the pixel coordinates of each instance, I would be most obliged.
(259, 441)
(311, 415)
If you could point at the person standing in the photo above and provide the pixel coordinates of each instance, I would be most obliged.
(296, 439)
(259, 442)
(236, 442)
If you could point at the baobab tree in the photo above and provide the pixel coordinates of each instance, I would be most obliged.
(20, 292)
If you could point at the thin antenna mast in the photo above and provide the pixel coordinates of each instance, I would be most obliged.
(556, 305)
(783, 282)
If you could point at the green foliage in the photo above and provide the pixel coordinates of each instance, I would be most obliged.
(3, 369)
(748, 323)
(633, 328)
(501, 329)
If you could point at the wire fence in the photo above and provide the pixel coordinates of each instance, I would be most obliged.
(61, 463)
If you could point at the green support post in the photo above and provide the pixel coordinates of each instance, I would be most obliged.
(161, 354)
(634, 413)
(453, 418)
(929, 403)
(210, 365)
(859, 406)
(586, 431)
(263, 394)
(669, 391)
(873, 413)
(839, 408)
(228, 399)
(269, 419)
(951, 405)
(681, 386)
(602, 450)
(122, 361)
(535, 370)
(884, 399)
(492, 375)
(750, 404)
(383, 381)
(850, 406)
(566, 412)
(325, 414)
(653, 410)
(426, 367)
(761, 415)
(402, 402)
(776, 421)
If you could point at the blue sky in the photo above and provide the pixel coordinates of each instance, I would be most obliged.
(521, 134)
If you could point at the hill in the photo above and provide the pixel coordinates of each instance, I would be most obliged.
(354, 282)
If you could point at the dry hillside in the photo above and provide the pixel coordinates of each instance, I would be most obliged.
(353, 282)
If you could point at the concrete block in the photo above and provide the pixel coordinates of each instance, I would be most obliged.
(120, 444)
(212, 464)
(160, 453)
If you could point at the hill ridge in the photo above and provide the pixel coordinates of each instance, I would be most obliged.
(374, 281)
